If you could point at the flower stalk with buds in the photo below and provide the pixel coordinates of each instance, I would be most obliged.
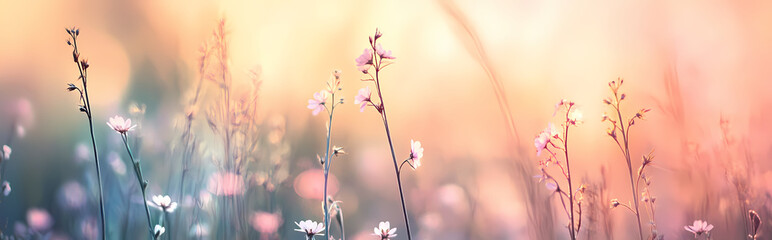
(317, 104)
(376, 58)
(123, 126)
(85, 107)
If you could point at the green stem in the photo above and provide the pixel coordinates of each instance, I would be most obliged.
(142, 182)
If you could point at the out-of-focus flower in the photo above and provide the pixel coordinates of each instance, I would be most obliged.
(385, 231)
(365, 60)
(363, 98)
(120, 125)
(699, 227)
(164, 203)
(6, 152)
(25, 112)
(226, 184)
(158, 230)
(82, 153)
(310, 228)
(309, 184)
(21, 131)
(20, 229)
(39, 220)
(416, 153)
(317, 104)
(6, 188)
(575, 117)
(199, 231)
(551, 186)
(136, 109)
(266, 223)
(383, 52)
(72, 195)
(117, 164)
(89, 229)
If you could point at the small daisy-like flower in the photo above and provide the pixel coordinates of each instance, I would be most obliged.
(363, 98)
(158, 230)
(383, 52)
(699, 227)
(164, 203)
(6, 152)
(120, 125)
(310, 228)
(365, 60)
(416, 153)
(317, 104)
(6, 188)
(385, 231)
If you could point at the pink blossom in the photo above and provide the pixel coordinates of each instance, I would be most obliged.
(6, 152)
(317, 104)
(72, 195)
(6, 187)
(365, 60)
(383, 53)
(543, 139)
(363, 98)
(226, 184)
(416, 153)
(39, 220)
(266, 223)
(385, 231)
(120, 125)
(699, 227)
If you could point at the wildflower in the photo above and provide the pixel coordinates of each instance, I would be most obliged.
(164, 203)
(385, 231)
(39, 220)
(72, 195)
(416, 153)
(544, 138)
(363, 98)
(6, 152)
(317, 104)
(365, 60)
(699, 227)
(575, 117)
(21, 131)
(120, 125)
(614, 203)
(311, 228)
(383, 53)
(117, 164)
(6, 188)
(266, 223)
(158, 230)
(551, 186)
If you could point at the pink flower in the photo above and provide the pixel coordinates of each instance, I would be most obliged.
(39, 220)
(6, 187)
(383, 53)
(363, 98)
(120, 125)
(416, 153)
(317, 104)
(544, 138)
(226, 184)
(266, 223)
(699, 227)
(72, 195)
(385, 231)
(6, 152)
(365, 60)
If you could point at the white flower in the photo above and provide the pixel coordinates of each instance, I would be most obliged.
(416, 153)
(158, 230)
(164, 203)
(6, 152)
(311, 228)
(699, 227)
(385, 231)
(120, 125)
(6, 188)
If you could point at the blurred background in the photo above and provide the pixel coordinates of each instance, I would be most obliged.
(461, 68)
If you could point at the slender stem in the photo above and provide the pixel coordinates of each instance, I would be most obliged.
(391, 146)
(142, 184)
(93, 139)
(327, 170)
(629, 167)
(568, 168)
